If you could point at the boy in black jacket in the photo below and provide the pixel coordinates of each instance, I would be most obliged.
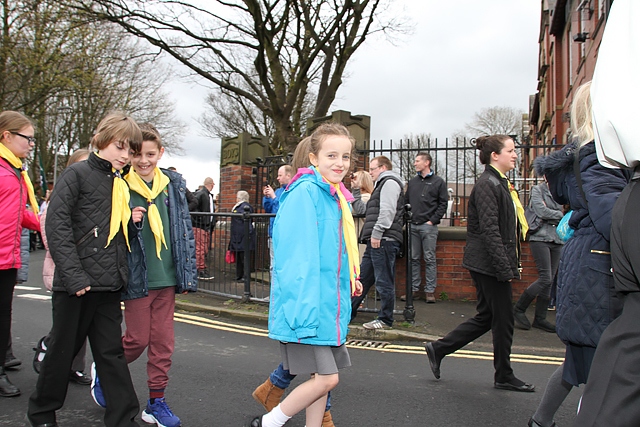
(88, 226)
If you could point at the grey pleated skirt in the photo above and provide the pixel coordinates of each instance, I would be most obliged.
(314, 359)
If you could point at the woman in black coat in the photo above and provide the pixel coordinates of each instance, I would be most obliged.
(238, 241)
(495, 224)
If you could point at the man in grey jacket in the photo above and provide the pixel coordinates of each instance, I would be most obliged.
(382, 233)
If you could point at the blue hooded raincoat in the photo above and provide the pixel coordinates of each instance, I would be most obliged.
(310, 291)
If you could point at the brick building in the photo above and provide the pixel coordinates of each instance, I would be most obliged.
(570, 35)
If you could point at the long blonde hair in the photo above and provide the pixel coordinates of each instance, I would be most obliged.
(581, 126)
(366, 183)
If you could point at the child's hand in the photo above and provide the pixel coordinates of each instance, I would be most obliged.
(137, 213)
(83, 291)
(358, 290)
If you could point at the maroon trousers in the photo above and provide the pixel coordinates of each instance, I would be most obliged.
(149, 323)
(203, 244)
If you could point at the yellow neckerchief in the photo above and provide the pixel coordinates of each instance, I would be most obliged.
(120, 211)
(160, 181)
(14, 161)
(350, 240)
(524, 226)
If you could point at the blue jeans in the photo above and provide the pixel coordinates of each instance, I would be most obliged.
(423, 244)
(282, 378)
(379, 267)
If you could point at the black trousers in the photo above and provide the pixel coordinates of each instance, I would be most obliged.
(495, 314)
(612, 393)
(98, 316)
(7, 283)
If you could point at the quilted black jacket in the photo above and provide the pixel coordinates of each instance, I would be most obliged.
(77, 228)
(492, 242)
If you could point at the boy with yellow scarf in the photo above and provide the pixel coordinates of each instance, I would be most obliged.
(87, 226)
(161, 263)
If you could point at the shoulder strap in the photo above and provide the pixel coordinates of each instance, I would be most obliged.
(576, 171)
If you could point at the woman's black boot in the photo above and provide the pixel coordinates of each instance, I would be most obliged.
(519, 311)
(540, 320)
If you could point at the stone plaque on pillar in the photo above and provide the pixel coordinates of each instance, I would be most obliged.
(243, 149)
(359, 126)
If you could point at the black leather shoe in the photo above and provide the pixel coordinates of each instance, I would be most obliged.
(7, 389)
(41, 352)
(433, 360)
(515, 387)
(256, 422)
(79, 377)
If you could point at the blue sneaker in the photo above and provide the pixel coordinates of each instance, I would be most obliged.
(160, 414)
(96, 388)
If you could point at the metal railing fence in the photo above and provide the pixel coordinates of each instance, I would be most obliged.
(255, 286)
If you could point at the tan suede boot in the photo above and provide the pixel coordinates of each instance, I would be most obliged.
(327, 421)
(268, 395)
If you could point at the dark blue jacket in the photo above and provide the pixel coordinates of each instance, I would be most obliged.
(183, 247)
(237, 241)
(586, 301)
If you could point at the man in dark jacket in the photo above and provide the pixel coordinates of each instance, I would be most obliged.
(427, 195)
(203, 226)
(382, 232)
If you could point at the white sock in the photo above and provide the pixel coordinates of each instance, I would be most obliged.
(275, 418)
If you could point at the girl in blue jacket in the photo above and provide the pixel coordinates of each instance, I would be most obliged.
(315, 274)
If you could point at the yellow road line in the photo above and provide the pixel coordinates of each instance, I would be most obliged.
(391, 348)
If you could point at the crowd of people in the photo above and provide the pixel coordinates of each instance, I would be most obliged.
(309, 321)
(117, 227)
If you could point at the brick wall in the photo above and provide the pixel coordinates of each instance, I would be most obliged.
(453, 279)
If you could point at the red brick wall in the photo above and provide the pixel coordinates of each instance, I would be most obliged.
(454, 280)
(234, 178)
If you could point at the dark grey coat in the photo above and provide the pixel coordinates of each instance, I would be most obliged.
(549, 211)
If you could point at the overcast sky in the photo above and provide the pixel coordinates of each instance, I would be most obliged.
(463, 56)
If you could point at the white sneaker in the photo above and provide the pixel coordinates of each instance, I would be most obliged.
(376, 324)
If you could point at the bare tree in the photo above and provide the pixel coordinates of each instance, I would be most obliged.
(490, 121)
(496, 120)
(266, 56)
(66, 73)
(462, 161)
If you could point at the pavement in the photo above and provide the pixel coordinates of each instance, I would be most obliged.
(432, 321)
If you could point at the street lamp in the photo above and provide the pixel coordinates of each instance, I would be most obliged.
(62, 109)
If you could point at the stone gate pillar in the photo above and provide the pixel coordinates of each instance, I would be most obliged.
(237, 161)
(359, 127)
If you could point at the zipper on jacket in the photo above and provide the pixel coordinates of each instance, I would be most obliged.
(18, 241)
(595, 251)
(340, 234)
(94, 232)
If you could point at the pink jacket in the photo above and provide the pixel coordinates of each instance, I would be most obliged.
(49, 267)
(13, 215)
